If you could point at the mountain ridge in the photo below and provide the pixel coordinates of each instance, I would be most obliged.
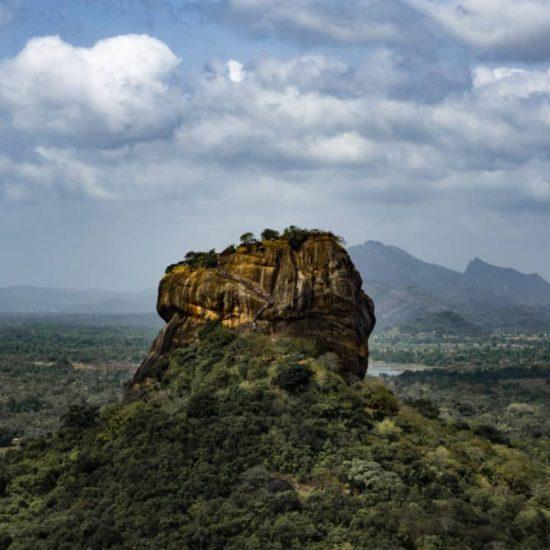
(523, 287)
(376, 250)
(406, 288)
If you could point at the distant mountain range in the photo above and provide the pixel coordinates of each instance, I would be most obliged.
(43, 300)
(508, 283)
(409, 291)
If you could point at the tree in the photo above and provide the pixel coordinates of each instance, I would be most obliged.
(248, 238)
(293, 378)
(295, 236)
(201, 259)
(80, 416)
(270, 234)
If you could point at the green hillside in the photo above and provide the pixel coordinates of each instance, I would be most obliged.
(248, 442)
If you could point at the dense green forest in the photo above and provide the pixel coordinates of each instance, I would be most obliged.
(510, 405)
(246, 442)
(77, 338)
(48, 364)
(498, 385)
(448, 351)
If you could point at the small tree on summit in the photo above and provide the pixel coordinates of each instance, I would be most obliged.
(295, 236)
(247, 238)
(270, 234)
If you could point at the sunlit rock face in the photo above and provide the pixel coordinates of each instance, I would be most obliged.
(313, 292)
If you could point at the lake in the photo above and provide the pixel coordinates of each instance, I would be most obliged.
(376, 368)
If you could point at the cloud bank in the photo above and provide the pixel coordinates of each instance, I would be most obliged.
(497, 28)
(120, 121)
(501, 28)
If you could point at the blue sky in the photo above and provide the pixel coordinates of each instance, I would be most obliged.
(132, 131)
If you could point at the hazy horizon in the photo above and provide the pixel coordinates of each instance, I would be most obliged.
(153, 284)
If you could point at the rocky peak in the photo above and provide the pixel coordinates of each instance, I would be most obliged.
(508, 283)
(306, 287)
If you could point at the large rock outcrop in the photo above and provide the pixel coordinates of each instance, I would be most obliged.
(311, 290)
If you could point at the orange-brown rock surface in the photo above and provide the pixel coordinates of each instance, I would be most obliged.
(313, 291)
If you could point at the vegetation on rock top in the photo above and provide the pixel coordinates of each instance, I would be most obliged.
(292, 235)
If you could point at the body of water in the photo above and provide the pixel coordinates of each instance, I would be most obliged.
(376, 368)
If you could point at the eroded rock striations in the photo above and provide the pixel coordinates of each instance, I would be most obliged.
(311, 290)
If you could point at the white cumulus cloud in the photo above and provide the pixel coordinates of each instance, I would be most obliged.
(120, 90)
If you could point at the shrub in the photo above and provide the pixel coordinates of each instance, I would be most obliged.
(80, 416)
(5, 541)
(369, 475)
(3, 483)
(295, 236)
(87, 462)
(6, 435)
(494, 435)
(215, 335)
(293, 378)
(247, 238)
(202, 404)
(229, 250)
(104, 535)
(425, 407)
(381, 401)
(202, 259)
(270, 234)
(197, 259)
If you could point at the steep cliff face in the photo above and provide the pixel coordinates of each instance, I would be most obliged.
(312, 291)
